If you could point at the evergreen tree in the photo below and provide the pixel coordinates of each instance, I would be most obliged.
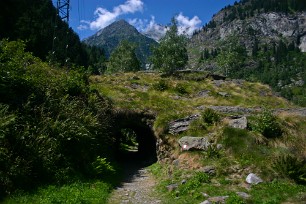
(171, 54)
(124, 59)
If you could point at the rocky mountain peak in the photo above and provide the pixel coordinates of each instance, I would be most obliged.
(109, 38)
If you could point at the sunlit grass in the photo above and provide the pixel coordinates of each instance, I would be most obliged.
(92, 192)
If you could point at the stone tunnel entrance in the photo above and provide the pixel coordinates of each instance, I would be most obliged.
(135, 139)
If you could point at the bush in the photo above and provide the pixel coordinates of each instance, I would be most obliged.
(162, 85)
(195, 182)
(103, 167)
(267, 124)
(210, 116)
(51, 126)
(291, 167)
(181, 89)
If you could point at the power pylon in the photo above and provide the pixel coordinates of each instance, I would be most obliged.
(63, 9)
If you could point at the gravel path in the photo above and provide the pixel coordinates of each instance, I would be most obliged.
(138, 188)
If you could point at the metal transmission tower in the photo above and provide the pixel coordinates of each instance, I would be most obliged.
(63, 9)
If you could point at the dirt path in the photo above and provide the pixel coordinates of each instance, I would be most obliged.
(138, 188)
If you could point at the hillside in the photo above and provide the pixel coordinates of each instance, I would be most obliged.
(189, 107)
(109, 38)
(259, 41)
(217, 133)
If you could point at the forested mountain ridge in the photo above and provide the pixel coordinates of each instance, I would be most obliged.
(109, 38)
(47, 36)
(256, 40)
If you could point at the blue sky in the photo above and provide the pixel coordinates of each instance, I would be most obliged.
(89, 16)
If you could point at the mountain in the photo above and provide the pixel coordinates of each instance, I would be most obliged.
(258, 40)
(109, 38)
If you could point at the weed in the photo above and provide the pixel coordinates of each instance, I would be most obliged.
(235, 199)
(161, 85)
(181, 89)
(290, 166)
(210, 116)
(267, 124)
(103, 167)
(213, 151)
(195, 182)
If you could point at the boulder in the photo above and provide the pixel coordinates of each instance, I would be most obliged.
(243, 195)
(238, 122)
(253, 179)
(181, 125)
(194, 143)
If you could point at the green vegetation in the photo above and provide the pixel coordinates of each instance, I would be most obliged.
(210, 117)
(57, 137)
(242, 152)
(248, 53)
(291, 167)
(80, 192)
(171, 53)
(53, 127)
(47, 36)
(267, 124)
(123, 59)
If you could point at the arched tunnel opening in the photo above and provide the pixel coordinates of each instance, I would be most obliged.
(135, 140)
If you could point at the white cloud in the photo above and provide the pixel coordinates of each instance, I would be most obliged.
(149, 28)
(188, 26)
(105, 17)
(156, 31)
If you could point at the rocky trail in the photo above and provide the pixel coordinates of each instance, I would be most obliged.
(138, 184)
(138, 188)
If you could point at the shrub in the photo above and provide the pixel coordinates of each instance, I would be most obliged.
(213, 151)
(267, 124)
(291, 167)
(162, 85)
(210, 116)
(181, 89)
(103, 167)
(51, 126)
(195, 182)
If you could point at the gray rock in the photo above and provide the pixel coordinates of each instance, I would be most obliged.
(238, 122)
(172, 187)
(204, 93)
(218, 83)
(238, 82)
(176, 162)
(194, 143)
(211, 170)
(224, 94)
(243, 195)
(253, 179)
(183, 181)
(218, 199)
(231, 109)
(181, 125)
(206, 202)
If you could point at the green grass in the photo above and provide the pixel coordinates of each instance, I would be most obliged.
(248, 151)
(91, 192)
